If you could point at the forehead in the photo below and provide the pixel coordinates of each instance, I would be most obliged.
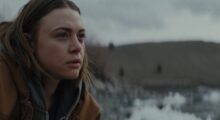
(64, 17)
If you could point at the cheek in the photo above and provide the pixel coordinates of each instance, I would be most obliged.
(45, 59)
(47, 49)
(51, 64)
(44, 54)
(48, 55)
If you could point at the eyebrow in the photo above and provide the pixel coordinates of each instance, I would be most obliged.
(68, 29)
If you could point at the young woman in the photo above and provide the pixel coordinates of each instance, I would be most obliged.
(43, 64)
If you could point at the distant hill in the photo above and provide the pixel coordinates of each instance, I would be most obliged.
(181, 64)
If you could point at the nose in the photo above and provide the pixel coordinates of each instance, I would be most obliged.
(74, 45)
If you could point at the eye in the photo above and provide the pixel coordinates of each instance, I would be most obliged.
(62, 35)
(81, 37)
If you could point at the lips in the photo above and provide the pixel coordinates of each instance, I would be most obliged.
(76, 63)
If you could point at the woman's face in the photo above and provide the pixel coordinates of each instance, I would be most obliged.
(60, 44)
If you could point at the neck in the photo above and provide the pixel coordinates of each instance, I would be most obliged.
(50, 86)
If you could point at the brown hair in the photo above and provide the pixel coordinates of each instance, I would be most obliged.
(18, 47)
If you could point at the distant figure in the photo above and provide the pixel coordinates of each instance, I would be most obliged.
(43, 64)
(121, 72)
(159, 69)
(160, 106)
(111, 46)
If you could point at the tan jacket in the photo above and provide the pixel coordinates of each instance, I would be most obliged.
(15, 101)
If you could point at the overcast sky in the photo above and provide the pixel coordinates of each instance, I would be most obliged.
(131, 21)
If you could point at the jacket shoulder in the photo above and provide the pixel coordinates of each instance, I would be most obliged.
(89, 109)
(8, 94)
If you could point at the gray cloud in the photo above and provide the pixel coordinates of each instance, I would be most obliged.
(134, 19)
(123, 21)
(10, 8)
(200, 6)
(139, 13)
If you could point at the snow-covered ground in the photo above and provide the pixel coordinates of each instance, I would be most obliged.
(127, 102)
(213, 97)
(167, 108)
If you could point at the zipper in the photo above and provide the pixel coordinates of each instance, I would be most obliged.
(64, 118)
(74, 104)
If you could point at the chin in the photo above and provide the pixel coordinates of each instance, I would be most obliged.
(72, 76)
